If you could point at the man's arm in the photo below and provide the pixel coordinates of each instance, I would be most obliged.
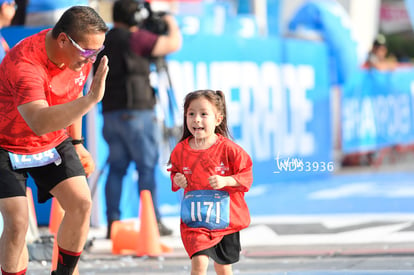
(75, 129)
(170, 42)
(43, 118)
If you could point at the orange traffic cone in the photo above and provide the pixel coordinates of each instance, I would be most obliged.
(124, 236)
(149, 236)
(56, 216)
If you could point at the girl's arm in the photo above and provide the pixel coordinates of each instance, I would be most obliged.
(176, 177)
(218, 182)
(242, 177)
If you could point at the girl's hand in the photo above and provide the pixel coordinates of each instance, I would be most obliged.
(217, 182)
(180, 180)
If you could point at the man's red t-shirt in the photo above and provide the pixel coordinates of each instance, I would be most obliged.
(224, 158)
(26, 75)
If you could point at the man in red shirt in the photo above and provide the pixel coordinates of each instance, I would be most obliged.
(41, 109)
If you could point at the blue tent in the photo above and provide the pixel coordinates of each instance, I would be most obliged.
(331, 22)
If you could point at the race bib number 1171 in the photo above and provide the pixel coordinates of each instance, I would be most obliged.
(206, 208)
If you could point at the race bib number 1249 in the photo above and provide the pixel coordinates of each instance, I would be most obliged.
(41, 159)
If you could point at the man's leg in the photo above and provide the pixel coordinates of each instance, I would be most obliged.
(13, 251)
(74, 196)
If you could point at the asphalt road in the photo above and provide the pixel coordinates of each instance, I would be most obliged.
(334, 231)
(372, 265)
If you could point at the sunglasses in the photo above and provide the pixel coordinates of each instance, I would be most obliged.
(89, 54)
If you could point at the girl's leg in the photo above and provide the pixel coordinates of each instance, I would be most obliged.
(199, 265)
(223, 269)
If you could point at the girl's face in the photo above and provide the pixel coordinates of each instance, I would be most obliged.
(381, 52)
(202, 119)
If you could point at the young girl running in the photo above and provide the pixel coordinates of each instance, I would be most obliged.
(215, 173)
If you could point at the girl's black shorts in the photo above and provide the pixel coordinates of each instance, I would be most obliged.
(227, 251)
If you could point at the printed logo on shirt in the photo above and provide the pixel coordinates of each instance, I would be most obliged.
(222, 169)
(187, 171)
(80, 80)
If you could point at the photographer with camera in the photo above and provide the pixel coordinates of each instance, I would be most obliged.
(130, 124)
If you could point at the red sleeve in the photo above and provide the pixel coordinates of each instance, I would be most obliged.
(243, 172)
(29, 84)
(174, 169)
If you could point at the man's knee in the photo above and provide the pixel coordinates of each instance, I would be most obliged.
(85, 205)
(16, 227)
(80, 206)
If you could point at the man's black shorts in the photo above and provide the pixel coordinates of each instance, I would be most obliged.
(227, 251)
(13, 182)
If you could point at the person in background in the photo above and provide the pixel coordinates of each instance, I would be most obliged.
(41, 109)
(215, 173)
(377, 59)
(7, 12)
(378, 56)
(20, 16)
(130, 125)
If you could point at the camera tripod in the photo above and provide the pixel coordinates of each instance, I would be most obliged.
(167, 108)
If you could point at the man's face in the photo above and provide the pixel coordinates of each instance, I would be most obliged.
(84, 50)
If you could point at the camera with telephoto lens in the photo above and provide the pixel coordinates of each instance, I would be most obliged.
(150, 20)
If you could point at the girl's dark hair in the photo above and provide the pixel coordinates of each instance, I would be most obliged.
(78, 20)
(218, 100)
